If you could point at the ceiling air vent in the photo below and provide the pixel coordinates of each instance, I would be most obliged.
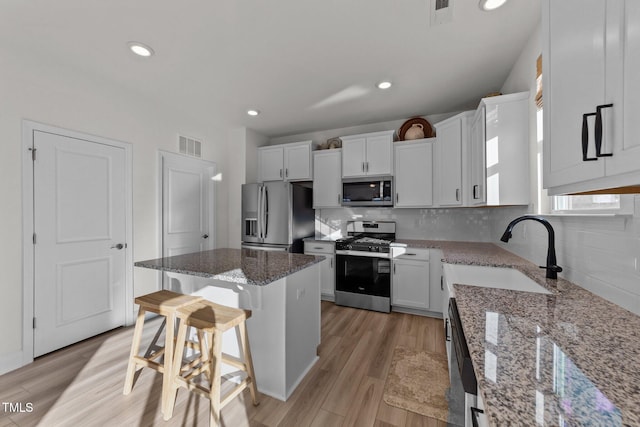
(441, 11)
(190, 146)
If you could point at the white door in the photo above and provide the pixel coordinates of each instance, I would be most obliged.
(270, 164)
(414, 180)
(379, 155)
(79, 219)
(354, 152)
(411, 284)
(297, 165)
(477, 159)
(327, 179)
(187, 199)
(448, 164)
(574, 85)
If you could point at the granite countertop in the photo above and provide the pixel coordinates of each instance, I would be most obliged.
(565, 358)
(242, 266)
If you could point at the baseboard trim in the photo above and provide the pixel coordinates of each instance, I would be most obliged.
(10, 362)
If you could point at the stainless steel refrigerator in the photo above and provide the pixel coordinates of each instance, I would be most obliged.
(277, 216)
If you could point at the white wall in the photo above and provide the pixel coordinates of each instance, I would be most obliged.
(601, 254)
(52, 94)
(243, 157)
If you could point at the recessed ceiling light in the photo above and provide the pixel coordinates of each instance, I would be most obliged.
(384, 85)
(488, 5)
(253, 112)
(140, 49)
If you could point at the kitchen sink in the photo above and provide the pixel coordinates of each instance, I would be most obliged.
(490, 277)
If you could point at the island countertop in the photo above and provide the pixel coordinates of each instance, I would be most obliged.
(565, 358)
(242, 266)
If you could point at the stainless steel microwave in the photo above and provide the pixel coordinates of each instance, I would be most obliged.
(367, 191)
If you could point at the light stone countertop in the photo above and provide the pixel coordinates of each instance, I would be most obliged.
(242, 266)
(566, 358)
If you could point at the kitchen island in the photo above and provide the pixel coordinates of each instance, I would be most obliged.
(281, 289)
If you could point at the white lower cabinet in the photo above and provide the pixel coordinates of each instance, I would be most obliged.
(410, 282)
(327, 267)
(480, 414)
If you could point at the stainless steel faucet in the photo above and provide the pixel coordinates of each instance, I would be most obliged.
(552, 268)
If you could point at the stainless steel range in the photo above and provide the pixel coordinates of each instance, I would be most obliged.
(363, 265)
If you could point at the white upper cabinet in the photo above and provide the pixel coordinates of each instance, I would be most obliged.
(270, 163)
(591, 104)
(367, 154)
(288, 162)
(413, 178)
(327, 181)
(449, 173)
(499, 151)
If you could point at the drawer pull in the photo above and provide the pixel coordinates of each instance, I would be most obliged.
(318, 248)
(598, 131)
(585, 138)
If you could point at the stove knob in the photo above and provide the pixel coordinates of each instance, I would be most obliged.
(371, 249)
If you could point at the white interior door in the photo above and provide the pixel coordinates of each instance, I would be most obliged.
(187, 204)
(79, 218)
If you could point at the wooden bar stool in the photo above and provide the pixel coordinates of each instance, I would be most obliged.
(164, 303)
(214, 319)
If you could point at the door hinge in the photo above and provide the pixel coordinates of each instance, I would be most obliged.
(33, 153)
(34, 323)
(34, 238)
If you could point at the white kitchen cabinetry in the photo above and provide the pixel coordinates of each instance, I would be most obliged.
(367, 154)
(327, 267)
(590, 69)
(288, 162)
(450, 152)
(413, 178)
(411, 279)
(327, 182)
(499, 151)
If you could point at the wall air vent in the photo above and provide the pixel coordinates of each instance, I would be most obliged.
(440, 11)
(189, 146)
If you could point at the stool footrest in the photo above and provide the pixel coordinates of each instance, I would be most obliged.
(234, 392)
(139, 360)
(233, 361)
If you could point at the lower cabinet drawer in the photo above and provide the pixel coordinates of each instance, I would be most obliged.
(319, 247)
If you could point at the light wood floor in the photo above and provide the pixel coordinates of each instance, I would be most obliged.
(81, 385)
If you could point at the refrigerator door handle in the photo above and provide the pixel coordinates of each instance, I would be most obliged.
(259, 220)
(265, 212)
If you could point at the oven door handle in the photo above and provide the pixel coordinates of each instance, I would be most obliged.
(365, 254)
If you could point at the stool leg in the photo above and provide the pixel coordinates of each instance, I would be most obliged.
(173, 372)
(248, 362)
(215, 340)
(168, 361)
(135, 348)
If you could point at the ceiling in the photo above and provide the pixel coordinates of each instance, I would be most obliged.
(305, 64)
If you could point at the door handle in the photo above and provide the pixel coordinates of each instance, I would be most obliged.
(397, 198)
(367, 166)
(362, 166)
(585, 138)
(475, 191)
(339, 199)
(457, 194)
(119, 246)
(286, 173)
(598, 131)
(205, 236)
(280, 173)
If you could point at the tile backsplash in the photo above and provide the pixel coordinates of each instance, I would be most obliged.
(599, 253)
(436, 224)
